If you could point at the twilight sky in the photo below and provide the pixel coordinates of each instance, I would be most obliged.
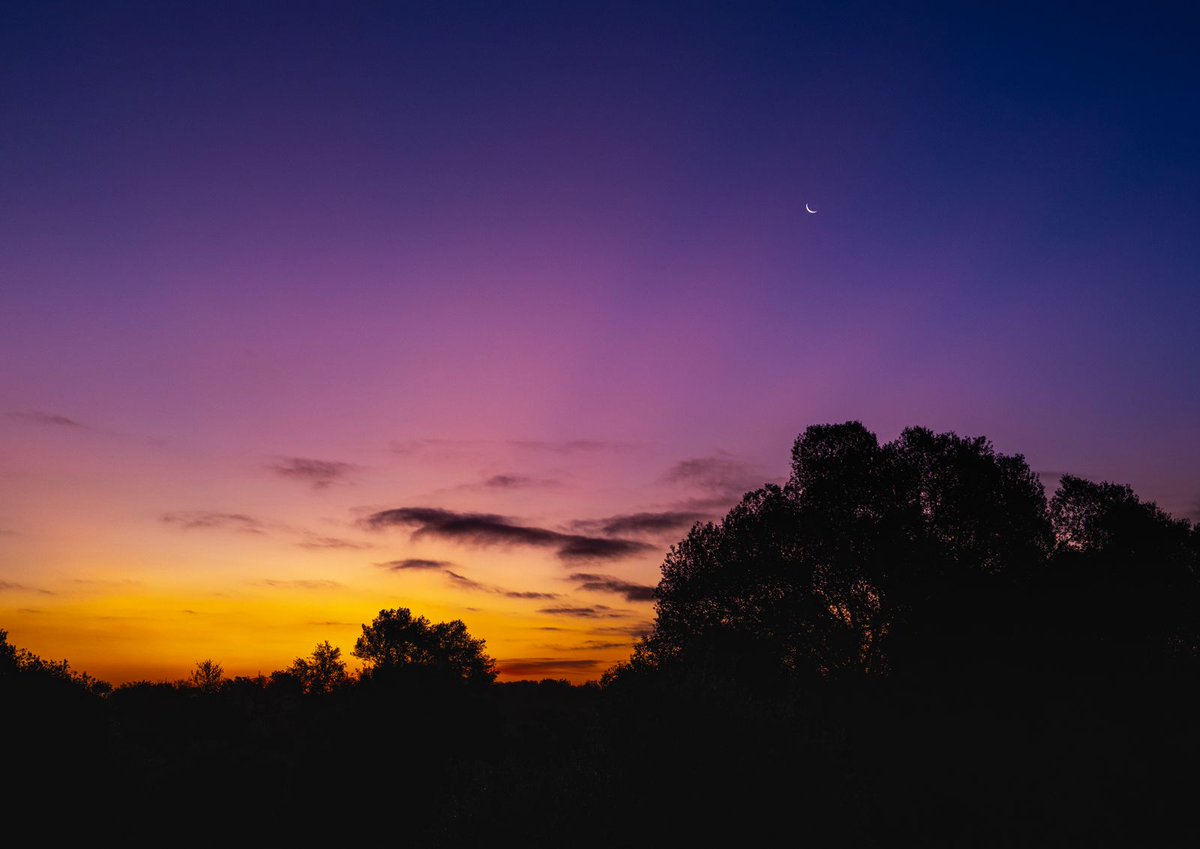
(308, 310)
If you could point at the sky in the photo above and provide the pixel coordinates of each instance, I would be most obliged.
(311, 310)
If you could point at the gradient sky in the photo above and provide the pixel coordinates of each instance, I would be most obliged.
(280, 281)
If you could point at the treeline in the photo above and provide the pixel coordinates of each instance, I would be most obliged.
(906, 643)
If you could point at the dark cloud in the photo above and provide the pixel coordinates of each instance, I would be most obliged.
(463, 581)
(318, 542)
(9, 586)
(467, 583)
(414, 563)
(638, 629)
(723, 477)
(597, 645)
(435, 446)
(594, 611)
(641, 523)
(209, 520)
(334, 623)
(509, 481)
(512, 481)
(612, 584)
(319, 473)
(51, 419)
(302, 584)
(491, 529)
(544, 666)
(588, 645)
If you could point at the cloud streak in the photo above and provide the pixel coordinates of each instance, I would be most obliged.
(722, 478)
(211, 520)
(611, 584)
(318, 543)
(9, 586)
(50, 419)
(635, 524)
(320, 474)
(460, 580)
(415, 563)
(470, 584)
(593, 611)
(487, 529)
(302, 584)
(544, 666)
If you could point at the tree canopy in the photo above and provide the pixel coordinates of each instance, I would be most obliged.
(321, 672)
(396, 641)
(873, 555)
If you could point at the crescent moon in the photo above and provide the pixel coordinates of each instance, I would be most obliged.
(806, 209)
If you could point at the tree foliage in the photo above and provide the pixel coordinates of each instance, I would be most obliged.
(16, 661)
(875, 555)
(207, 676)
(396, 640)
(321, 672)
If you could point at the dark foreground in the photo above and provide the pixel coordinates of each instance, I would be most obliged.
(1008, 759)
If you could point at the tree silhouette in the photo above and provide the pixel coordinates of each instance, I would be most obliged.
(396, 641)
(851, 563)
(1128, 572)
(207, 676)
(321, 672)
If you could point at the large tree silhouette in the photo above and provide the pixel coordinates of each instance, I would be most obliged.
(869, 556)
(396, 641)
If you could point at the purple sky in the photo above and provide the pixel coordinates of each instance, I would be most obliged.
(299, 264)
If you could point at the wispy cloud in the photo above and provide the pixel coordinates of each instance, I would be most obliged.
(470, 584)
(212, 520)
(593, 611)
(515, 481)
(302, 584)
(511, 481)
(414, 563)
(637, 629)
(588, 645)
(490, 529)
(9, 586)
(637, 524)
(461, 448)
(569, 446)
(315, 542)
(544, 666)
(107, 582)
(462, 581)
(612, 584)
(50, 419)
(721, 478)
(320, 474)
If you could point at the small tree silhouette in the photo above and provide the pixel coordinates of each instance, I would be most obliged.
(323, 671)
(207, 676)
